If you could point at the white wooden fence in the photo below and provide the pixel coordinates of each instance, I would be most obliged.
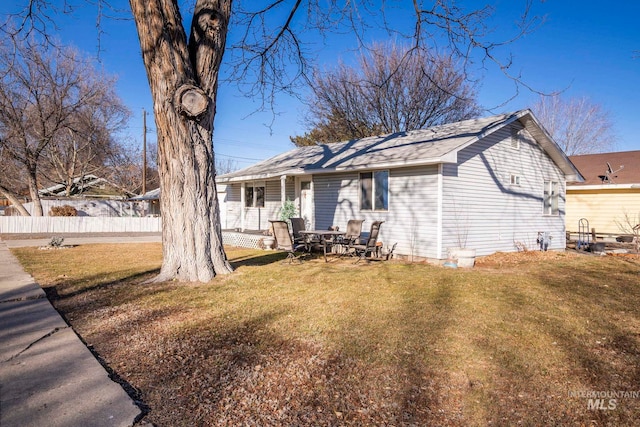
(79, 224)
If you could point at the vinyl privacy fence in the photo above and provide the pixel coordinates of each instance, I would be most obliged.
(79, 224)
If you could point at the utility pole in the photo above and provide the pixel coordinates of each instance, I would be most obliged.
(144, 151)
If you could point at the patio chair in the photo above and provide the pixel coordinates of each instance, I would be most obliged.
(285, 242)
(361, 250)
(297, 225)
(354, 229)
(351, 237)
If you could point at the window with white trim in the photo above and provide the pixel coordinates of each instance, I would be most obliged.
(515, 138)
(515, 179)
(374, 191)
(551, 197)
(254, 195)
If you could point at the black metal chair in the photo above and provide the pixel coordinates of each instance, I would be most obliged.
(297, 225)
(362, 250)
(354, 230)
(351, 237)
(285, 242)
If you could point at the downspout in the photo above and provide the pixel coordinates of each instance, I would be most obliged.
(440, 207)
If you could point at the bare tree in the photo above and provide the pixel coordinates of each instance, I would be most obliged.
(391, 89)
(268, 55)
(43, 94)
(578, 125)
(87, 142)
(124, 167)
(12, 180)
(226, 166)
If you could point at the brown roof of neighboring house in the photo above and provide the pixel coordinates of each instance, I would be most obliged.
(595, 168)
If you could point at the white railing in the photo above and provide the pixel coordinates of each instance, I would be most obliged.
(79, 224)
(241, 240)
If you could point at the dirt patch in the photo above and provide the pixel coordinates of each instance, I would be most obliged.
(500, 259)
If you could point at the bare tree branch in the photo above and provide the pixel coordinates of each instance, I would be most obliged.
(392, 89)
(578, 125)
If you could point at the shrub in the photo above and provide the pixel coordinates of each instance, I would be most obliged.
(11, 211)
(65, 210)
(288, 210)
(56, 242)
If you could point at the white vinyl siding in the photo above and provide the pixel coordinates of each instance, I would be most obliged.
(412, 216)
(413, 211)
(483, 211)
(233, 207)
(256, 218)
(335, 199)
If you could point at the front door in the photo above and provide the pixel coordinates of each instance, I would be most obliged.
(306, 203)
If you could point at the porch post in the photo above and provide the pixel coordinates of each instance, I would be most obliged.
(243, 203)
(439, 253)
(283, 189)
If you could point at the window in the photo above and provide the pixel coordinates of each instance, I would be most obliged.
(374, 191)
(254, 195)
(515, 179)
(550, 203)
(515, 139)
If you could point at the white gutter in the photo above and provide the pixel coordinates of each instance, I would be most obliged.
(602, 187)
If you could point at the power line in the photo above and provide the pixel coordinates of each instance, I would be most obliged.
(239, 158)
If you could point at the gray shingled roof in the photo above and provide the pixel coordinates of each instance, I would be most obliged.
(438, 144)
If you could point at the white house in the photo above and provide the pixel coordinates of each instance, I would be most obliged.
(489, 184)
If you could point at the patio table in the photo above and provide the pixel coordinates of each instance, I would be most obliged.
(324, 236)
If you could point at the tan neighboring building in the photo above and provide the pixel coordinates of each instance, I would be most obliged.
(609, 197)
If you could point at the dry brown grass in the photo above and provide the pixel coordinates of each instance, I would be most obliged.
(506, 343)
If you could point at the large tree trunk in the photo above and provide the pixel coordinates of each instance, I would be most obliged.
(35, 196)
(184, 107)
(14, 201)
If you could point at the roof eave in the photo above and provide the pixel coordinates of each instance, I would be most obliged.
(553, 150)
(451, 157)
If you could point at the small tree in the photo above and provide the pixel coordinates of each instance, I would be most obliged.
(288, 210)
(628, 222)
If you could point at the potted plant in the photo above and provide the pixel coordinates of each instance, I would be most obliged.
(268, 242)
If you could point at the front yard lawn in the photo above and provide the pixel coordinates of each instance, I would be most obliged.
(522, 339)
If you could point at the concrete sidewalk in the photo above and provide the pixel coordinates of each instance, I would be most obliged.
(48, 377)
(16, 241)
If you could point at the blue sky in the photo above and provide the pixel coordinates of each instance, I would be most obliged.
(586, 48)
